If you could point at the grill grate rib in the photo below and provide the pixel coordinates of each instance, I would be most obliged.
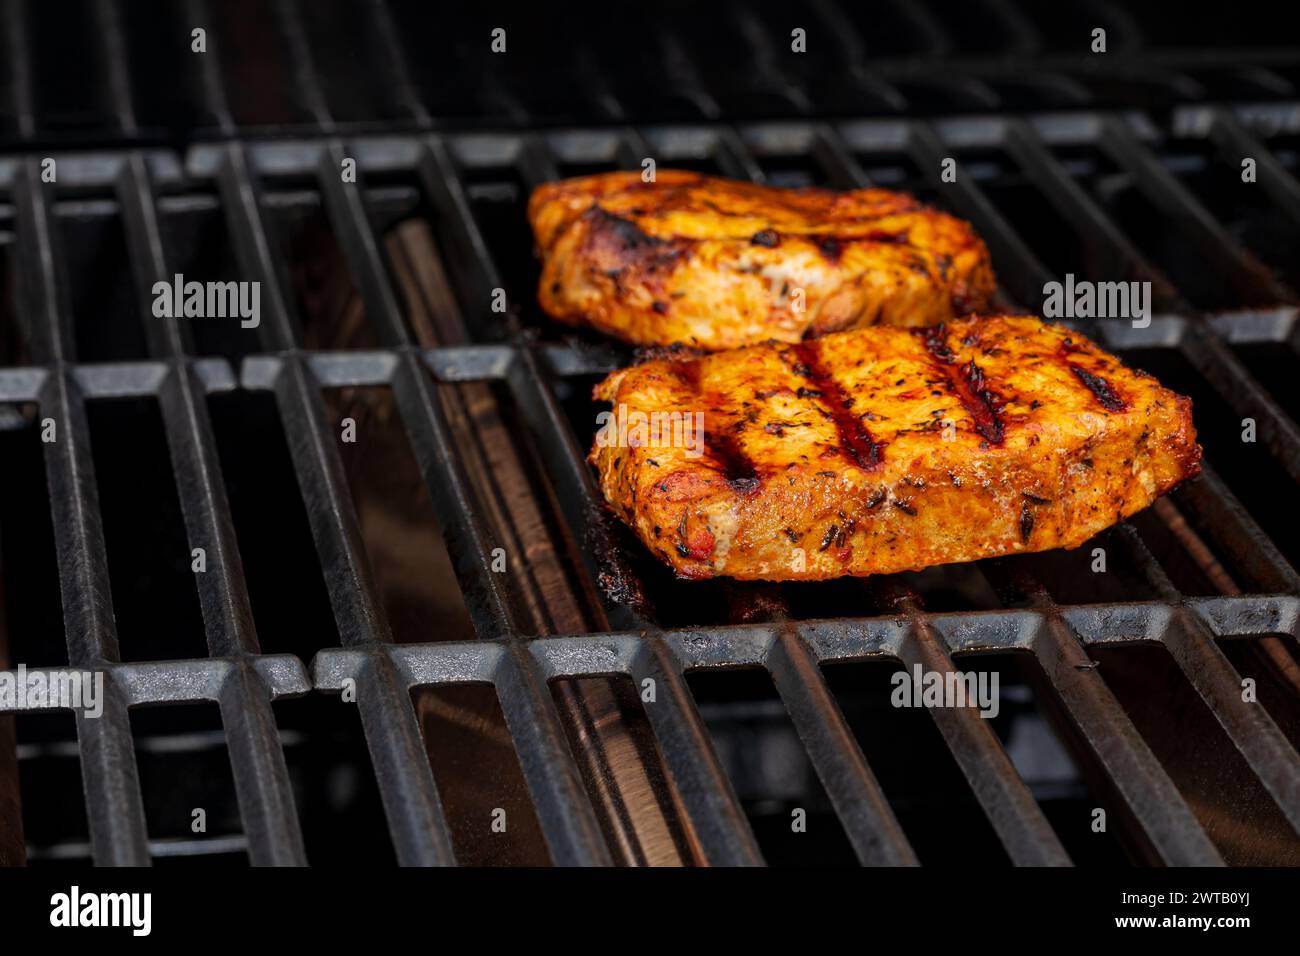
(621, 635)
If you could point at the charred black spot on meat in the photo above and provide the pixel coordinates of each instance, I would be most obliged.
(830, 247)
(1026, 522)
(625, 231)
(1035, 499)
(905, 506)
(876, 498)
(660, 307)
(790, 534)
(970, 386)
(1101, 389)
(855, 439)
(808, 393)
(766, 238)
(918, 265)
(831, 534)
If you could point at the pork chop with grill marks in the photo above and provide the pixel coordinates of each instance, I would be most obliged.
(883, 450)
(715, 264)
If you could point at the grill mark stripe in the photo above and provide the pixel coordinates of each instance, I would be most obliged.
(968, 382)
(1100, 388)
(854, 437)
(720, 445)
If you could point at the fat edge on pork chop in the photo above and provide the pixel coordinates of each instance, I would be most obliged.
(715, 264)
(884, 450)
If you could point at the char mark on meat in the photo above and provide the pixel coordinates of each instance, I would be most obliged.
(969, 384)
(855, 439)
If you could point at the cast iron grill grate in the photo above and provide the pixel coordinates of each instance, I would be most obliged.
(102, 71)
(1209, 571)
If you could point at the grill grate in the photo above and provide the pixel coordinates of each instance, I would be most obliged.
(616, 616)
(135, 79)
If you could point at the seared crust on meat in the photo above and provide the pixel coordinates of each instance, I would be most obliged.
(882, 450)
(716, 264)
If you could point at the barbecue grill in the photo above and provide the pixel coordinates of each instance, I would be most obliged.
(455, 655)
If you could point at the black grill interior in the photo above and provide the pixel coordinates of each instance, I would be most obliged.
(357, 678)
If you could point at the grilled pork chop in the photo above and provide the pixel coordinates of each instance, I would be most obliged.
(716, 264)
(882, 450)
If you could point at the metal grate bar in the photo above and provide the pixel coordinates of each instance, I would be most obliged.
(854, 54)
(408, 790)
(717, 821)
(1110, 251)
(13, 13)
(1016, 817)
(224, 599)
(854, 791)
(114, 808)
(563, 809)
(567, 819)
(108, 21)
(1250, 728)
(346, 205)
(767, 65)
(320, 472)
(1020, 30)
(198, 13)
(261, 775)
(734, 159)
(378, 14)
(1269, 754)
(576, 491)
(579, 498)
(684, 77)
(472, 265)
(304, 70)
(1276, 430)
(1018, 262)
(466, 535)
(1238, 534)
(416, 820)
(1150, 795)
(834, 156)
(1238, 142)
(257, 760)
(1253, 281)
(464, 531)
